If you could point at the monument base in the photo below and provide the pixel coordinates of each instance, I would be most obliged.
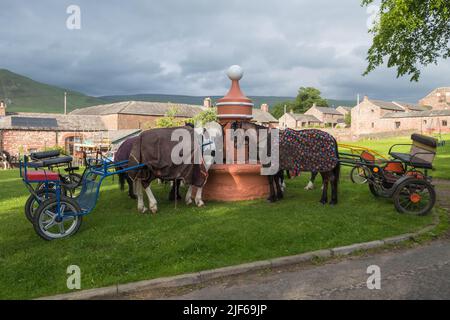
(236, 182)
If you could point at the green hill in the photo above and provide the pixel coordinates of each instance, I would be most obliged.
(23, 94)
(26, 95)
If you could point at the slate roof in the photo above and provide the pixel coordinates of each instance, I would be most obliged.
(420, 114)
(140, 108)
(263, 117)
(52, 122)
(304, 117)
(412, 106)
(386, 105)
(327, 110)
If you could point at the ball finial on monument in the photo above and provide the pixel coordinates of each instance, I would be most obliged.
(235, 72)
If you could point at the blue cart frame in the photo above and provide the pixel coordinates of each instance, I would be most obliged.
(82, 204)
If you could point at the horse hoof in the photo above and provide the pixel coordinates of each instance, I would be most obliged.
(271, 200)
(189, 201)
(200, 203)
(154, 210)
(333, 203)
(323, 202)
(143, 210)
(132, 196)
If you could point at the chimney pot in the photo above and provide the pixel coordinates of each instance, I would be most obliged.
(265, 107)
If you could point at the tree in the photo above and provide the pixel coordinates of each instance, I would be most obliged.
(208, 115)
(410, 34)
(348, 119)
(305, 99)
(170, 120)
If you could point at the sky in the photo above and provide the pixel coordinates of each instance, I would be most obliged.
(185, 47)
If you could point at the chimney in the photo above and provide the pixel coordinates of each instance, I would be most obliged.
(265, 107)
(314, 105)
(366, 98)
(292, 111)
(207, 103)
(2, 108)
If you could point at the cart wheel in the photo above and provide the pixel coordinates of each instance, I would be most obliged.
(375, 189)
(358, 175)
(49, 226)
(32, 203)
(415, 197)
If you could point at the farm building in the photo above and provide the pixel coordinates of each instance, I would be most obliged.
(98, 125)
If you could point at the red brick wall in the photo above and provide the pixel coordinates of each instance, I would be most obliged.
(20, 141)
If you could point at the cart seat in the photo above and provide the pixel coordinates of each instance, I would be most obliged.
(44, 154)
(415, 162)
(37, 176)
(50, 162)
(422, 153)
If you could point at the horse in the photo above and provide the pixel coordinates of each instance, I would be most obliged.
(123, 154)
(310, 150)
(5, 159)
(155, 149)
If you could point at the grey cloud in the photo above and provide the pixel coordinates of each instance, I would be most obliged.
(183, 47)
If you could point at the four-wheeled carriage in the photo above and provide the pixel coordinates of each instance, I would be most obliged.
(404, 178)
(56, 215)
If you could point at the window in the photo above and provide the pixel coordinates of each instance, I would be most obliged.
(397, 125)
(444, 123)
(373, 125)
(424, 121)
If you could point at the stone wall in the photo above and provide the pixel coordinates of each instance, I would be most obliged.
(439, 99)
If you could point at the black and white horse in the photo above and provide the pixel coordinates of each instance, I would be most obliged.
(5, 160)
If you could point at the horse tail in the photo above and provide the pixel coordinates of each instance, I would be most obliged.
(337, 169)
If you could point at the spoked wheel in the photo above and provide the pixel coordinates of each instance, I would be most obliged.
(375, 189)
(33, 203)
(358, 175)
(49, 225)
(415, 196)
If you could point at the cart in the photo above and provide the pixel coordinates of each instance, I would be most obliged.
(57, 214)
(403, 178)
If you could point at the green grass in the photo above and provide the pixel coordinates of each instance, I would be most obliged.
(441, 163)
(117, 245)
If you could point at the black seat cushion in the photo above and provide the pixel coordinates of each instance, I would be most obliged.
(45, 154)
(428, 141)
(416, 162)
(50, 162)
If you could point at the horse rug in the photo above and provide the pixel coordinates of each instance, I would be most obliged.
(154, 148)
(307, 151)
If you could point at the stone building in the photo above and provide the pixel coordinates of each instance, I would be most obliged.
(344, 110)
(327, 116)
(438, 99)
(298, 121)
(376, 116)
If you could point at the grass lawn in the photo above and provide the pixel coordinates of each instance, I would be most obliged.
(117, 245)
(441, 163)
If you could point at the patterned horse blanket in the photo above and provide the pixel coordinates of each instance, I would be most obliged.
(307, 150)
(154, 148)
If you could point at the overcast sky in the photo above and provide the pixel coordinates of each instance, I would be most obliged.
(185, 46)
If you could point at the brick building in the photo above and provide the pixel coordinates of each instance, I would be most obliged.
(298, 121)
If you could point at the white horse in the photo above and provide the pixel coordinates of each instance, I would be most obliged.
(5, 159)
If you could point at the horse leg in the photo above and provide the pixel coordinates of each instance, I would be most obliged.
(310, 185)
(140, 196)
(198, 198)
(188, 197)
(131, 193)
(278, 184)
(151, 199)
(325, 178)
(272, 197)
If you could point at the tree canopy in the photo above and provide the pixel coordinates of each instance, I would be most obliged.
(409, 34)
(307, 96)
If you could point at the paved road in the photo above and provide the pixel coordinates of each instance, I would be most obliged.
(416, 273)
